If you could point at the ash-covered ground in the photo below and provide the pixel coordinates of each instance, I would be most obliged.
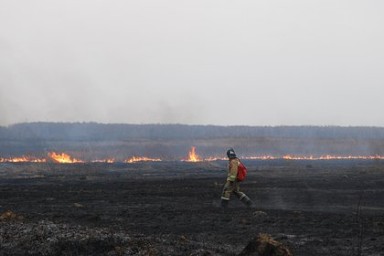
(172, 208)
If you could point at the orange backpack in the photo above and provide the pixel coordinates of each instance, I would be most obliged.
(241, 172)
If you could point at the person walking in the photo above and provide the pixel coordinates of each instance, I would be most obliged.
(232, 185)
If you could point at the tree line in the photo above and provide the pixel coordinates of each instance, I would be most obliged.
(112, 132)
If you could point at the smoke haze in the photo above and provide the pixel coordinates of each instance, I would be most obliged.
(193, 62)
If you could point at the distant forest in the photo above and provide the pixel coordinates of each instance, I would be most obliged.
(98, 132)
(172, 141)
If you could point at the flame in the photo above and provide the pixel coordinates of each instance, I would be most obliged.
(192, 156)
(322, 157)
(108, 160)
(213, 158)
(63, 158)
(135, 159)
(22, 159)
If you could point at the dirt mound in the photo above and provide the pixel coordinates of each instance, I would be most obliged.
(10, 216)
(265, 245)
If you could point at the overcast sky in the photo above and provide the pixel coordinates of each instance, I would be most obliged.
(298, 62)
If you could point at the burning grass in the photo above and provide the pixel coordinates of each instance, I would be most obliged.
(65, 158)
(136, 159)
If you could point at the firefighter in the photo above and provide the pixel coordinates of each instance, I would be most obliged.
(232, 185)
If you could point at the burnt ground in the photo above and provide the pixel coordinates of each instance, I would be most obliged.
(172, 208)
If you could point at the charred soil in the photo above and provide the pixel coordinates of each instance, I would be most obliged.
(173, 208)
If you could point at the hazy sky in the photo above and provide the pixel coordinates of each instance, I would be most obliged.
(297, 62)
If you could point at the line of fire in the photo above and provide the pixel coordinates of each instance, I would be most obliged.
(65, 158)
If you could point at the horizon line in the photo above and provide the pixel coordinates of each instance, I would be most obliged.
(184, 124)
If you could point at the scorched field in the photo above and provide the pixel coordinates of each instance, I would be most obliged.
(323, 207)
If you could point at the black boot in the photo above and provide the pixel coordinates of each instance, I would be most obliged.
(250, 204)
(247, 201)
